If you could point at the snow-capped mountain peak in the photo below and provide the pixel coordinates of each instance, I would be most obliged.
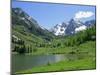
(72, 27)
(59, 29)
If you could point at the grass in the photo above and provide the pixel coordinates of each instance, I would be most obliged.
(86, 63)
(85, 52)
(48, 51)
(88, 47)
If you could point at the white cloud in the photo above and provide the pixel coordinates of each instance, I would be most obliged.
(83, 14)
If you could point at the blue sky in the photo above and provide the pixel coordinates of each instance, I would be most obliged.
(48, 15)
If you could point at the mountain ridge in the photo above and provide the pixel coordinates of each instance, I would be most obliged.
(21, 19)
(72, 27)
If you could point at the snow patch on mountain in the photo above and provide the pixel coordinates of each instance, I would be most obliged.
(59, 29)
(81, 28)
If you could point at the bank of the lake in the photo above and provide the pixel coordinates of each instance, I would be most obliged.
(76, 58)
(82, 64)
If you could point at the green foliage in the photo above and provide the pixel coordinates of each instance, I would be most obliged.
(81, 37)
(57, 45)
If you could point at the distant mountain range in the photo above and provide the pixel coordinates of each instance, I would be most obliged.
(71, 27)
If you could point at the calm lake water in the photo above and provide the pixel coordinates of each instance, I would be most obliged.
(24, 62)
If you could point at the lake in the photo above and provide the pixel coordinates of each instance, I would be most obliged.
(24, 62)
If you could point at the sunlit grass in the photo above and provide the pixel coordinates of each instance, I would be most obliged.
(86, 60)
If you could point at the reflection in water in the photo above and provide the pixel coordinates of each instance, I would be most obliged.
(24, 62)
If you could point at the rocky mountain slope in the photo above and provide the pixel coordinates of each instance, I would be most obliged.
(72, 27)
